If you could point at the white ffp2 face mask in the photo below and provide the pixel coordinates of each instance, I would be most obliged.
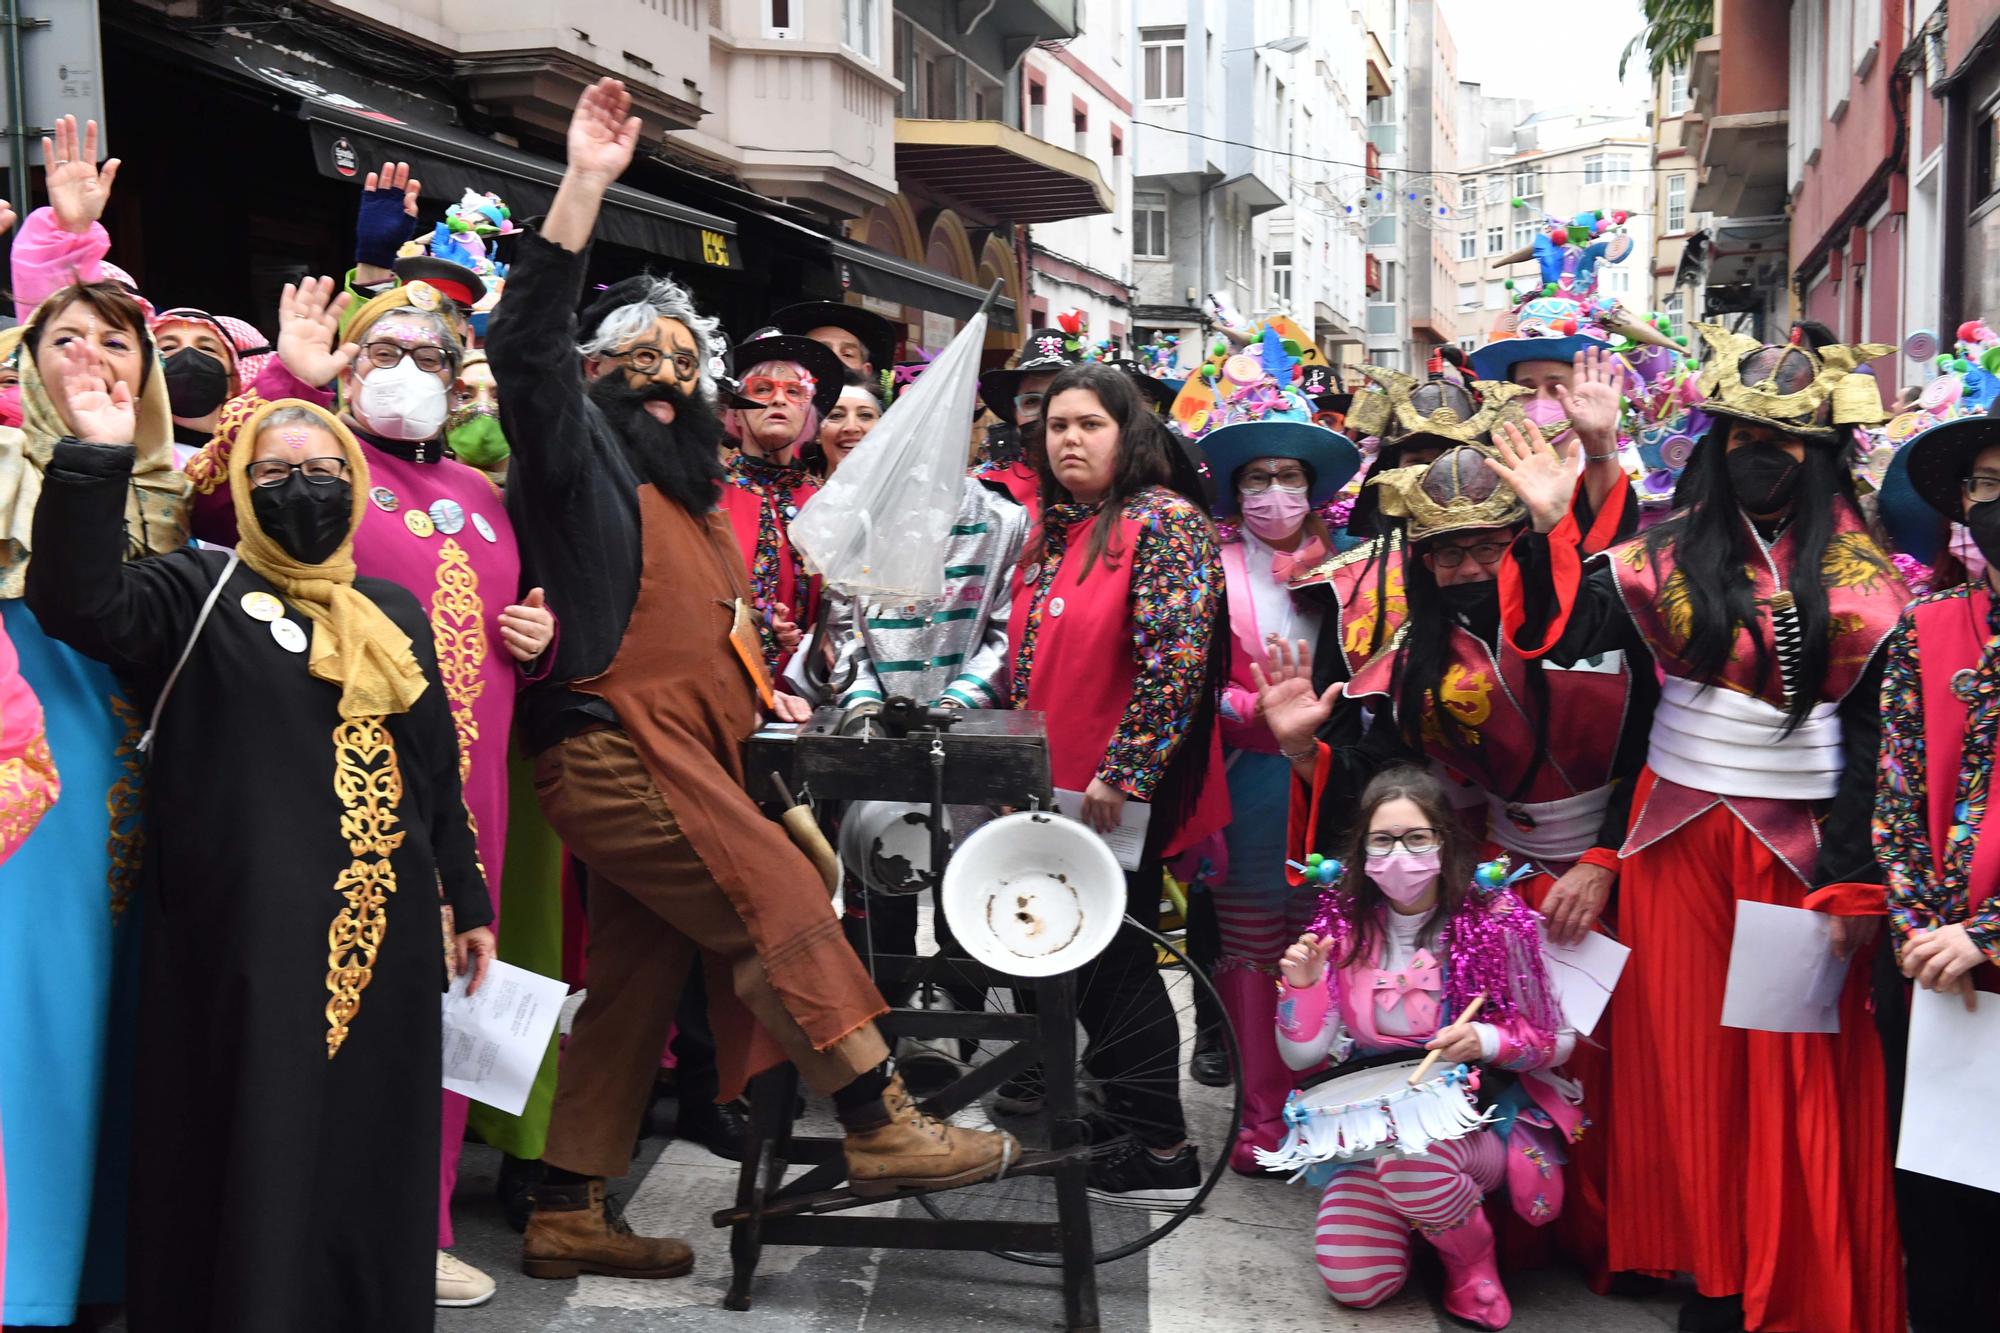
(402, 402)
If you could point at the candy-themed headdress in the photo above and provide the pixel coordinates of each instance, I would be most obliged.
(1400, 406)
(1789, 388)
(1458, 491)
(1260, 412)
(1565, 314)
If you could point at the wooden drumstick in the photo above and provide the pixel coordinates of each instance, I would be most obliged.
(1471, 1012)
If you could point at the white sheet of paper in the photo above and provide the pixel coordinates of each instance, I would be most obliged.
(1584, 976)
(1952, 1087)
(1128, 841)
(494, 1041)
(1783, 974)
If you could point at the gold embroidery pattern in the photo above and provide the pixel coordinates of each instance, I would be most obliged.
(1361, 628)
(458, 623)
(369, 783)
(1467, 701)
(1853, 560)
(126, 840)
(29, 785)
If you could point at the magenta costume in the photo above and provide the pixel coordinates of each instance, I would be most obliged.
(439, 529)
(1397, 997)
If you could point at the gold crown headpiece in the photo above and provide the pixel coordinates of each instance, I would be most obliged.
(1460, 490)
(1400, 407)
(1788, 387)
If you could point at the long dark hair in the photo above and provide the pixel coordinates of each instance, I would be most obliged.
(1457, 859)
(1145, 458)
(1714, 551)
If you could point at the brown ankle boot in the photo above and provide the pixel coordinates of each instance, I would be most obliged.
(913, 1151)
(571, 1233)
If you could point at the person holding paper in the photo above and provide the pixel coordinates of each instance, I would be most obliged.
(291, 957)
(1764, 603)
(617, 488)
(1408, 935)
(1940, 722)
(1273, 468)
(1119, 604)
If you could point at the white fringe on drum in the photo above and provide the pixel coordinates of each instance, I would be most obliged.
(1338, 1122)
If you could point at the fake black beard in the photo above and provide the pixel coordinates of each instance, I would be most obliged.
(682, 459)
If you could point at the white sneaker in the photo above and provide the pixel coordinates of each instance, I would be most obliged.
(459, 1284)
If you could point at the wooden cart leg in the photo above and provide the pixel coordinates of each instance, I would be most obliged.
(766, 1137)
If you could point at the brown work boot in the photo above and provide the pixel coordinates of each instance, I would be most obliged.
(571, 1232)
(913, 1151)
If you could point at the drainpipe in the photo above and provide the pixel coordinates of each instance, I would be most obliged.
(12, 25)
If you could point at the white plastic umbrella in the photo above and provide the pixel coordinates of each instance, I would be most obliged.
(878, 528)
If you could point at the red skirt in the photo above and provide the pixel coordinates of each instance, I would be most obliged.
(1757, 1161)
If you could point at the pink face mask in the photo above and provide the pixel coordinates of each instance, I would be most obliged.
(1404, 876)
(1962, 546)
(10, 405)
(1275, 514)
(1544, 412)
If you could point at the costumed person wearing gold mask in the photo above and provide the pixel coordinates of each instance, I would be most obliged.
(435, 526)
(293, 940)
(1756, 1160)
(68, 921)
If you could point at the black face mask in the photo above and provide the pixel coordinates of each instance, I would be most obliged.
(309, 521)
(1982, 521)
(197, 383)
(1475, 605)
(1763, 477)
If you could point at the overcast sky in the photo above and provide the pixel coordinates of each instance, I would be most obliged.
(1558, 54)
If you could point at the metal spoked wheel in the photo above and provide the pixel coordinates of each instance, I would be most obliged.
(1211, 1114)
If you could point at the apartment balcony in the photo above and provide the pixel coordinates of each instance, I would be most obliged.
(994, 173)
(1380, 72)
(1383, 138)
(1739, 83)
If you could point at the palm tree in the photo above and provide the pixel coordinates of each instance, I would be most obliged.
(1672, 28)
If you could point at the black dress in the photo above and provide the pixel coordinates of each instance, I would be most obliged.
(285, 1157)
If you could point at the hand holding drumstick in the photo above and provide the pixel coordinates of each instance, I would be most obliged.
(1451, 1042)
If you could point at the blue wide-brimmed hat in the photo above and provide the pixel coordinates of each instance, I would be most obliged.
(1332, 457)
(1935, 462)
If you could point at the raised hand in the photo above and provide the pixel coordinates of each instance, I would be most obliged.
(1305, 962)
(7, 217)
(1593, 400)
(100, 413)
(1531, 468)
(1287, 703)
(603, 132)
(387, 215)
(528, 627)
(78, 188)
(309, 331)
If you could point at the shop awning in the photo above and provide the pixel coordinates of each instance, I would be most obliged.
(450, 161)
(996, 173)
(888, 278)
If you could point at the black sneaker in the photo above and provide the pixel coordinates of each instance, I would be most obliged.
(1023, 1094)
(1126, 1174)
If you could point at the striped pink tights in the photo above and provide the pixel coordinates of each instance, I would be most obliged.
(1362, 1243)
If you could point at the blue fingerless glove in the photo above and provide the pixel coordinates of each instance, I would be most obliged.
(380, 227)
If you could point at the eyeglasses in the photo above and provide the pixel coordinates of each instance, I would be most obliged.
(1024, 401)
(1256, 483)
(1486, 553)
(1416, 841)
(430, 360)
(648, 360)
(1980, 490)
(765, 389)
(276, 471)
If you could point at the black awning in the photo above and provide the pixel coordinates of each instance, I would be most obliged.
(888, 278)
(450, 161)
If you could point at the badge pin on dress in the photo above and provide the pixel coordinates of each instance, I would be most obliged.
(419, 523)
(384, 499)
(447, 516)
(262, 606)
(289, 636)
(483, 528)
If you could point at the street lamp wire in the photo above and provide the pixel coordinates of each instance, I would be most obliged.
(1487, 170)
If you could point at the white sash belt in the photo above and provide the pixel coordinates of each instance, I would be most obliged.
(1720, 741)
(1562, 830)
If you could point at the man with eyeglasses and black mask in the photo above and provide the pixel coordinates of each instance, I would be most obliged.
(1014, 396)
(616, 489)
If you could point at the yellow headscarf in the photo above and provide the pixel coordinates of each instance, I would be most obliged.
(354, 644)
(156, 510)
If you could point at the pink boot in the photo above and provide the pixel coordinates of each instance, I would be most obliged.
(1472, 1290)
(1251, 1001)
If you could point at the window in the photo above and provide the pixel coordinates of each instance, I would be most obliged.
(1607, 168)
(1389, 282)
(1468, 192)
(1163, 59)
(1527, 182)
(1496, 240)
(1281, 277)
(1468, 346)
(1117, 175)
(1149, 226)
(1676, 319)
(857, 27)
(1080, 122)
(784, 18)
(982, 96)
(1677, 91)
(1468, 245)
(1038, 110)
(1468, 295)
(1617, 281)
(1593, 169)
(1524, 234)
(1677, 203)
(1496, 189)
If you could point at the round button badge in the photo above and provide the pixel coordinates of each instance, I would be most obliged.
(447, 516)
(1056, 607)
(384, 499)
(289, 636)
(419, 523)
(262, 606)
(483, 528)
